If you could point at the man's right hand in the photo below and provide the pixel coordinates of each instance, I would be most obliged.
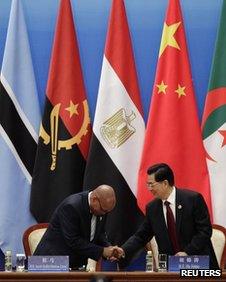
(108, 251)
(113, 253)
(117, 254)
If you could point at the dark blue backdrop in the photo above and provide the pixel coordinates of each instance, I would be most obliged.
(145, 18)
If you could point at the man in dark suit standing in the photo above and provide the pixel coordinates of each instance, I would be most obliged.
(77, 227)
(178, 218)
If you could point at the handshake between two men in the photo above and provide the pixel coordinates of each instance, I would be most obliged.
(113, 253)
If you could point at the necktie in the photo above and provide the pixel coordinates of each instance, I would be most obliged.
(171, 227)
(93, 227)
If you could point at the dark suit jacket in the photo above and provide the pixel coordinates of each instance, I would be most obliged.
(69, 232)
(192, 222)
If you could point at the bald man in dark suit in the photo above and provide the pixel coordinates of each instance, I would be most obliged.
(77, 227)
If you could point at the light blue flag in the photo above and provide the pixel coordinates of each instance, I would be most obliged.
(19, 125)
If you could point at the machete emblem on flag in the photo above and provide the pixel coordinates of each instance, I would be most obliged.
(117, 129)
(57, 144)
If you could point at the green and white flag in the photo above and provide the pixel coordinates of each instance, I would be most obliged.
(214, 125)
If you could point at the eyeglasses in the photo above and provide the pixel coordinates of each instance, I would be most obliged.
(151, 184)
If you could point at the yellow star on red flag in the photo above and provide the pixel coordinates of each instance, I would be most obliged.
(162, 87)
(72, 109)
(168, 37)
(180, 91)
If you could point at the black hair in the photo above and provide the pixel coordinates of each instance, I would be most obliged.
(162, 172)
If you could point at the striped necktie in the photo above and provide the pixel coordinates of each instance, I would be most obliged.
(93, 227)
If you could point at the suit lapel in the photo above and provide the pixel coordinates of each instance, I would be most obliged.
(98, 225)
(161, 218)
(178, 210)
(87, 214)
(161, 225)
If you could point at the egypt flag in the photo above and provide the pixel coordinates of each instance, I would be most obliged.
(214, 125)
(19, 125)
(173, 133)
(65, 130)
(118, 128)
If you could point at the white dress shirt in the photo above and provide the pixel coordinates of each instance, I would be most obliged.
(172, 200)
(93, 221)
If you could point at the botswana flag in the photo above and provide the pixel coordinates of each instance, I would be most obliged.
(19, 124)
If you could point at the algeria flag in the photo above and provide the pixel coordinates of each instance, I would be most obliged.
(214, 125)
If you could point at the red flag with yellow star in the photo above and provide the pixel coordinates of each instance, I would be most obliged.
(65, 130)
(173, 133)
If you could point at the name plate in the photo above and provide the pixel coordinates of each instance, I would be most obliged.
(48, 263)
(175, 263)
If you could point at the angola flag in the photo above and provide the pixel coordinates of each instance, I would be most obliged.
(65, 130)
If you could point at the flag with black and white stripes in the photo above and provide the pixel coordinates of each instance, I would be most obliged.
(19, 126)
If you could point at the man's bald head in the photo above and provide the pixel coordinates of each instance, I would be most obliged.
(103, 199)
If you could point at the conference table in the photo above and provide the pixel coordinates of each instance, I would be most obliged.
(92, 276)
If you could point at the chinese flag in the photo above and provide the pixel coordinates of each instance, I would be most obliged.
(173, 133)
